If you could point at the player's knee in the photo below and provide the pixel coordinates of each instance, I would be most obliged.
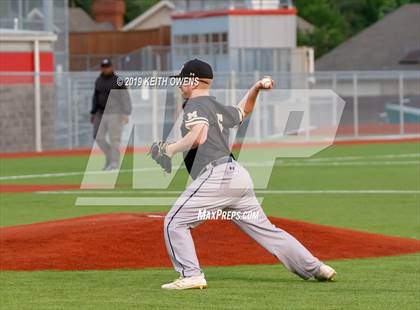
(169, 222)
(115, 140)
(170, 230)
(100, 139)
(173, 229)
(166, 221)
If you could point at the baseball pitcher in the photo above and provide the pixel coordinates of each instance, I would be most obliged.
(220, 183)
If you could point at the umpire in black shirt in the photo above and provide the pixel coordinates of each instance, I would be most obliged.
(108, 126)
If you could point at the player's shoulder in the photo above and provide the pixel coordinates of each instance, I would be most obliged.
(201, 103)
(198, 108)
(200, 100)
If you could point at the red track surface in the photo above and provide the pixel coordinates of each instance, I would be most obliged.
(126, 240)
(27, 188)
(87, 152)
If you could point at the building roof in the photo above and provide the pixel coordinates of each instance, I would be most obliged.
(250, 12)
(79, 21)
(303, 25)
(382, 46)
(26, 35)
(135, 23)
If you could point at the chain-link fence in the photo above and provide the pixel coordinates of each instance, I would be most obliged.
(42, 15)
(377, 104)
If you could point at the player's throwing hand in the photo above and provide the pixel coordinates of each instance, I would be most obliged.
(265, 83)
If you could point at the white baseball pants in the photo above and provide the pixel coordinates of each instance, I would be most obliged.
(229, 187)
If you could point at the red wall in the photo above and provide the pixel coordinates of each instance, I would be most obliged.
(24, 62)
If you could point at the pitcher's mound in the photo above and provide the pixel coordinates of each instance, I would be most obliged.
(130, 240)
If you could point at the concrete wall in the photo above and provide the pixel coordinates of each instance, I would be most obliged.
(17, 121)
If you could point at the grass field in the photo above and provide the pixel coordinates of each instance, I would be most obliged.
(370, 187)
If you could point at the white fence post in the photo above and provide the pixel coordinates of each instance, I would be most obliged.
(355, 106)
(155, 108)
(37, 93)
(401, 99)
(69, 104)
(232, 88)
(76, 119)
(334, 104)
(257, 114)
(307, 117)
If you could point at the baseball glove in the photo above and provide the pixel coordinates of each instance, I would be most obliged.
(158, 153)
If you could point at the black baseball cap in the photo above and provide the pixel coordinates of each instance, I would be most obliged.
(196, 68)
(106, 62)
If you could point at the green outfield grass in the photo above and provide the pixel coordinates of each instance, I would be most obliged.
(380, 283)
(394, 214)
(385, 283)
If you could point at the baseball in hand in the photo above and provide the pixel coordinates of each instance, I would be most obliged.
(267, 83)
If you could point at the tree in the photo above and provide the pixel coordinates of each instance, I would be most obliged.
(336, 21)
(85, 5)
(331, 28)
(134, 8)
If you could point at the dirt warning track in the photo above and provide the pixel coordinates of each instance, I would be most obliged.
(135, 240)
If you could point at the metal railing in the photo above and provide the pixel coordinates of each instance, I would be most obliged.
(219, 55)
(369, 97)
(206, 5)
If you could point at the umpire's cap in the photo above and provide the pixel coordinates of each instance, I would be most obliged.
(106, 62)
(196, 68)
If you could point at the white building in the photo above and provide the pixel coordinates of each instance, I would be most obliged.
(231, 35)
(237, 39)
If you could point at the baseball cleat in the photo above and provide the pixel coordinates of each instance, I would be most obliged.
(326, 273)
(111, 167)
(187, 283)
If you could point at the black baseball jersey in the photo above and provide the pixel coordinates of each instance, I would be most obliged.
(219, 118)
(119, 101)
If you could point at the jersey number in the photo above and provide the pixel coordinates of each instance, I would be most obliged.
(220, 121)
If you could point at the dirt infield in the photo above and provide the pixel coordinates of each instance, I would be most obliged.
(131, 240)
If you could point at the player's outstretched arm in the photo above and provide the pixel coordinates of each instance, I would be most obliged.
(248, 101)
(195, 137)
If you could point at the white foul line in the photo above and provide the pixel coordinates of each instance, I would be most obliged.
(407, 155)
(130, 201)
(159, 201)
(297, 163)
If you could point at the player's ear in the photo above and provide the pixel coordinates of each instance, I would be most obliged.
(205, 83)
